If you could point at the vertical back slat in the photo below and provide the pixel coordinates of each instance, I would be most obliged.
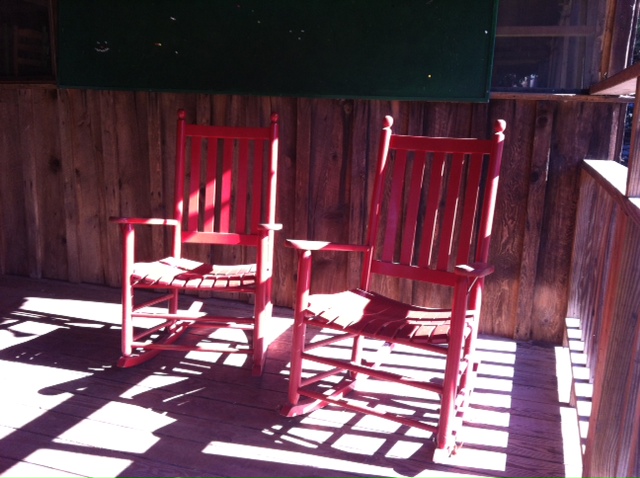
(210, 188)
(451, 208)
(242, 187)
(472, 190)
(226, 185)
(194, 183)
(256, 196)
(181, 159)
(413, 206)
(431, 212)
(395, 206)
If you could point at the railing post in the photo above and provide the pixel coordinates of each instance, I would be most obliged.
(633, 178)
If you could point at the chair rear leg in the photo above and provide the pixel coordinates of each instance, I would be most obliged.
(295, 374)
(445, 439)
(467, 379)
(127, 320)
(262, 314)
(173, 302)
(356, 354)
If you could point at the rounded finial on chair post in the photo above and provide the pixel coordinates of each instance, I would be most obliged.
(182, 114)
(274, 117)
(499, 126)
(388, 121)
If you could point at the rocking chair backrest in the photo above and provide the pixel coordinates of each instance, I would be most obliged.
(225, 181)
(432, 205)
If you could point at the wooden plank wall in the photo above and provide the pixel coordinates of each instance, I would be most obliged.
(72, 158)
(605, 297)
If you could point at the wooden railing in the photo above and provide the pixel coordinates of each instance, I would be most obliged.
(605, 297)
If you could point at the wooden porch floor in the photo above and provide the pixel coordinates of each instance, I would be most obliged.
(66, 410)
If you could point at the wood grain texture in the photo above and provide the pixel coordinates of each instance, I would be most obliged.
(500, 302)
(69, 409)
(613, 409)
(113, 154)
(604, 297)
(537, 187)
(593, 247)
(14, 220)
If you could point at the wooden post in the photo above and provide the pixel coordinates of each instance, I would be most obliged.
(633, 178)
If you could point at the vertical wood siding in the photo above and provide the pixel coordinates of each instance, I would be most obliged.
(604, 297)
(72, 158)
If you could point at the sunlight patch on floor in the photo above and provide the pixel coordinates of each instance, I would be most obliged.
(104, 312)
(579, 374)
(493, 384)
(496, 345)
(479, 459)
(127, 415)
(571, 442)
(403, 450)
(470, 435)
(149, 383)
(497, 370)
(33, 392)
(377, 424)
(105, 436)
(283, 457)
(83, 464)
(328, 417)
(359, 444)
(490, 399)
(14, 332)
(487, 417)
(311, 435)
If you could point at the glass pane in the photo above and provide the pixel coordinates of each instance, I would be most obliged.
(25, 47)
(628, 120)
(547, 44)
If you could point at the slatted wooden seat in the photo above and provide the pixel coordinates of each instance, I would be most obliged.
(375, 316)
(225, 195)
(187, 274)
(429, 226)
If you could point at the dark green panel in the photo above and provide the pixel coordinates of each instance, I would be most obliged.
(402, 49)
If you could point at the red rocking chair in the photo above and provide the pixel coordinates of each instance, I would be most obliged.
(225, 195)
(430, 223)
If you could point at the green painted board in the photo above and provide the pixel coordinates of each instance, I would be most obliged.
(396, 49)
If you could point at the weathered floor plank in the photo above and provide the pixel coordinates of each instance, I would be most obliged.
(68, 411)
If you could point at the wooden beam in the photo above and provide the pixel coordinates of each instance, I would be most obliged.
(633, 179)
(622, 83)
(546, 31)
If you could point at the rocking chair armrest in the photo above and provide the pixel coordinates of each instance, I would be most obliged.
(151, 221)
(270, 226)
(305, 245)
(475, 269)
(127, 223)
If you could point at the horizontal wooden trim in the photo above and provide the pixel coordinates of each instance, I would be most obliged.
(224, 132)
(622, 83)
(612, 176)
(231, 239)
(546, 31)
(305, 245)
(525, 95)
(520, 94)
(20, 84)
(414, 273)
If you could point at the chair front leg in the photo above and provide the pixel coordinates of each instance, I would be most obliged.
(452, 370)
(299, 326)
(263, 307)
(128, 234)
